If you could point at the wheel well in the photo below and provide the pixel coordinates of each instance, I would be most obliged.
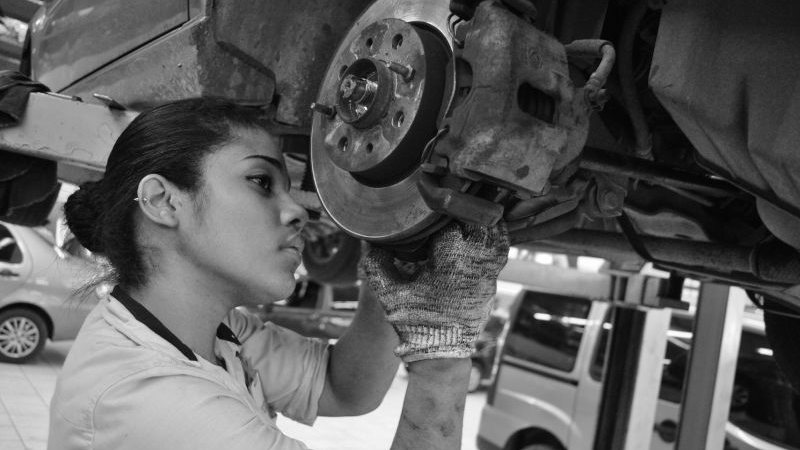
(46, 317)
(532, 435)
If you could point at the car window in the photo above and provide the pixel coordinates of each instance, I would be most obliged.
(763, 403)
(548, 329)
(9, 250)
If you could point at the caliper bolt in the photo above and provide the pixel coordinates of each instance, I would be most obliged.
(323, 109)
(407, 72)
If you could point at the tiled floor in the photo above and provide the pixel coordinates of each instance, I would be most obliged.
(25, 392)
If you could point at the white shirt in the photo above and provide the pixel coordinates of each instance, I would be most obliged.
(124, 387)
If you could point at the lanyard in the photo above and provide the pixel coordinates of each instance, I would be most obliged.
(146, 317)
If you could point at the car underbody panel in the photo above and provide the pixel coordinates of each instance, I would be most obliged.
(740, 107)
(651, 124)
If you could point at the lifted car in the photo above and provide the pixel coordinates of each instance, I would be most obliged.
(632, 130)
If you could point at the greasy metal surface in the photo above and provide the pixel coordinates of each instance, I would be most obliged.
(457, 204)
(727, 73)
(748, 266)
(393, 211)
(78, 37)
(658, 174)
(295, 39)
(522, 118)
(184, 63)
(66, 131)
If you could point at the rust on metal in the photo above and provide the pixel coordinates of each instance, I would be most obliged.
(519, 118)
(388, 82)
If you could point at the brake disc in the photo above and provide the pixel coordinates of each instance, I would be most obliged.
(388, 85)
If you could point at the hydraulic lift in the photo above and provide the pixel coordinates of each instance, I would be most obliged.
(633, 373)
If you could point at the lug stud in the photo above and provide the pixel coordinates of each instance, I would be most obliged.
(323, 109)
(406, 72)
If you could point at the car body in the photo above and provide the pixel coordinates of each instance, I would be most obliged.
(682, 214)
(38, 282)
(690, 162)
(548, 385)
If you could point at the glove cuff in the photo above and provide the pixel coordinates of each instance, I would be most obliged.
(425, 342)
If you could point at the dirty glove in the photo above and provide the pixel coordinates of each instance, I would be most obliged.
(440, 309)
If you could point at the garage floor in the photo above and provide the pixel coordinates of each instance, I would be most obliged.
(25, 393)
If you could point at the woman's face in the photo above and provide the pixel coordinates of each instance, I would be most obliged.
(245, 233)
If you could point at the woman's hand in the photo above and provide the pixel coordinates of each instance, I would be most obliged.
(440, 308)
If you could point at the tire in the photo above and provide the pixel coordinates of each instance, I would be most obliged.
(333, 258)
(540, 447)
(475, 375)
(22, 335)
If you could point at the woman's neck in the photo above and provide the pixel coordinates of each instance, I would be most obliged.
(189, 310)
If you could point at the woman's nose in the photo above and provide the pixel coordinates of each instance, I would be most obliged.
(293, 213)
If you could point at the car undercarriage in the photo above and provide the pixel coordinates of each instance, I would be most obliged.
(630, 130)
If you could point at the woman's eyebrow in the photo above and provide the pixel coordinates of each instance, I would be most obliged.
(279, 166)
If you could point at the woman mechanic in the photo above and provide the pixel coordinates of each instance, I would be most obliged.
(195, 218)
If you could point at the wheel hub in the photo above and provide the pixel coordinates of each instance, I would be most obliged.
(18, 337)
(387, 85)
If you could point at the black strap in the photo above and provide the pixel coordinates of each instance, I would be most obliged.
(226, 334)
(146, 317)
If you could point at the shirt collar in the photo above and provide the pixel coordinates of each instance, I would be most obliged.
(147, 318)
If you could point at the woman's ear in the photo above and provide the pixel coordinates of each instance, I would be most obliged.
(158, 200)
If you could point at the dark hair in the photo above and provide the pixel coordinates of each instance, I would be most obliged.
(171, 140)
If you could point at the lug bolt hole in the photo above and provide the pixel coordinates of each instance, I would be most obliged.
(343, 144)
(397, 41)
(369, 147)
(398, 119)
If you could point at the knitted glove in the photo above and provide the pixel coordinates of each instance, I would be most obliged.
(440, 309)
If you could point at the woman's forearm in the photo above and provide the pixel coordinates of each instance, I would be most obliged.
(362, 364)
(433, 409)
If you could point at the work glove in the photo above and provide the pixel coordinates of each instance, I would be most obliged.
(439, 309)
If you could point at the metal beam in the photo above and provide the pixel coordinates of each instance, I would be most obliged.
(62, 129)
(711, 370)
(632, 378)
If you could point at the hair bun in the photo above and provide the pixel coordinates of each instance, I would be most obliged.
(83, 212)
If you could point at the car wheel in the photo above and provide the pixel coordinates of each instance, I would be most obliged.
(540, 447)
(475, 374)
(333, 258)
(22, 335)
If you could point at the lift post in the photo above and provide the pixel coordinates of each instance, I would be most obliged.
(632, 378)
(711, 370)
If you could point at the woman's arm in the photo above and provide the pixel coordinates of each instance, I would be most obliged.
(433, 410)
(362, 365)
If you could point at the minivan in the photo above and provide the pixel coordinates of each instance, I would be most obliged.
(548, 381)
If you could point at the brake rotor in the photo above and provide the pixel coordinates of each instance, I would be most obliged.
(389, 83)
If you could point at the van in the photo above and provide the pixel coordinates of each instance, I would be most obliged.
(548, 380)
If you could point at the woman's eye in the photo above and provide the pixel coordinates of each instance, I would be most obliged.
(262, 181)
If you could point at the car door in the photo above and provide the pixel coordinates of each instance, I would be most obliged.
(15, 265)
(74, 38)
(537, 380)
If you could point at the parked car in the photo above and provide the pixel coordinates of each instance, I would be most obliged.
(37, 283)
(547, 391)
